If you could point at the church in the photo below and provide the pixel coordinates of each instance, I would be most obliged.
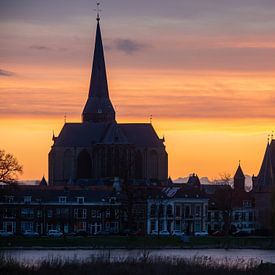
(99, 148)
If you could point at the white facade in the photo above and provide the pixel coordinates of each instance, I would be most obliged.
(176, 216)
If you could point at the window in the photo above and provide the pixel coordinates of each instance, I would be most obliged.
(80, 200)
(50, 213)
(153, 210)
(161, 210)
(178, 208)
(98, 214)
(205, 210)
(250, 216)
(187, 212)
(198, 210)
(9, 226)
(246, 203)
(177, 225)
(169, 211)
(9, 199)
(27, 199)
(107, 213)
(62, 212)
(27, 212)
(9, 213)
(95, 227)
(62, 200)
(197, 226)
(80, 226)
(26, 226)
(80, 213)
(93, 213)
(114, 227)
(39, 213)
(153, 226)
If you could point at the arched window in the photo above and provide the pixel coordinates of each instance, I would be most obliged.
(84, 165)
(153, 165)
(67, 164)
(138, 166)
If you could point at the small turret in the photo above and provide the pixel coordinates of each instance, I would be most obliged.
(239, 179)
(43, 182)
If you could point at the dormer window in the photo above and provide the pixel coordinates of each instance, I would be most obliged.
(27, 199)
(62, 199)
(80, 200)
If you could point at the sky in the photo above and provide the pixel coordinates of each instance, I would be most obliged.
(204, 70)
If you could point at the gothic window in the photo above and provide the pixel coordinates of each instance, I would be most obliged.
(154, 165)
(84, 165)
(138, 165)
(110, 162)
(67, 164)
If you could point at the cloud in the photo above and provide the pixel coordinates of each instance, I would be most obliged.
(128, 46)
(46, 48)
(6, 73)
(40, 48)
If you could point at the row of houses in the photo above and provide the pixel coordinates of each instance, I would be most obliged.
(170, 209)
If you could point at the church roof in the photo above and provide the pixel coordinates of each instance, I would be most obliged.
(87, 134)
(239, 173)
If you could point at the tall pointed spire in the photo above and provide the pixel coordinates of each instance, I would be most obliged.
(266, 174)
(98, 107)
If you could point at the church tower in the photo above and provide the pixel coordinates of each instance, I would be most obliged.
(99, 149)
(98, 107)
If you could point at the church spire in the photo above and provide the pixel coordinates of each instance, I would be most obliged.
(98, 107)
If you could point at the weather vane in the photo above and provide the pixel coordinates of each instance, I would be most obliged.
(98, 10)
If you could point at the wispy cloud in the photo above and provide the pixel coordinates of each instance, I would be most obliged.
(40, 48)
(6, 73)
(128, 46)
(46, 48)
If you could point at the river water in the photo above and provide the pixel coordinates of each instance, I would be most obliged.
(222, 256)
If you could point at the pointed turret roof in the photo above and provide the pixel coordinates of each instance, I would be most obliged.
(98, 107)
(43, 182)
(239, 173)
(266, 174)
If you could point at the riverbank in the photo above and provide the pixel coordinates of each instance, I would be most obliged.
(115, 242)
(141, 266)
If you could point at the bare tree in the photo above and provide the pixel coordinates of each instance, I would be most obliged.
(9, 168)
(223, 197)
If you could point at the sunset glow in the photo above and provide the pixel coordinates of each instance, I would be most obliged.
(207, 81)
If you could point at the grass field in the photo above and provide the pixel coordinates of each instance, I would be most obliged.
(143, 266)
(140, 242)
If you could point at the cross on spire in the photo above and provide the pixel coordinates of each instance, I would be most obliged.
(98, 10)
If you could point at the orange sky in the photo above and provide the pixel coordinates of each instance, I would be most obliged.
(206, 75)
